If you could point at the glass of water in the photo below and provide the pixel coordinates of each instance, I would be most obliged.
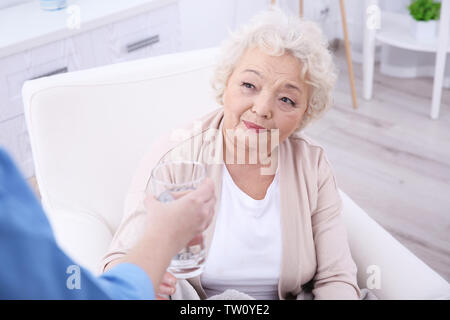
(172, 180)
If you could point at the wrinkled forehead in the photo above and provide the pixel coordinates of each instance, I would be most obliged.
(262, 64)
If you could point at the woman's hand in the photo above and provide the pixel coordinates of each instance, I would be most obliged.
(167, 286)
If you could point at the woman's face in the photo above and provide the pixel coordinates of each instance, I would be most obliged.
(265, 91)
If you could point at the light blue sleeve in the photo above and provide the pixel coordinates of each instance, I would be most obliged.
(127, 281)
(32, 266)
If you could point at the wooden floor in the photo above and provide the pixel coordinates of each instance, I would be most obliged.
(393, 160)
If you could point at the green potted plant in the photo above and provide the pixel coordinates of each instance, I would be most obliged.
(425, 14)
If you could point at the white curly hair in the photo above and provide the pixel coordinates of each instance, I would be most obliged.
(275, 33)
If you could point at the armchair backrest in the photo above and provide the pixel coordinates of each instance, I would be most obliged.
(89, 128)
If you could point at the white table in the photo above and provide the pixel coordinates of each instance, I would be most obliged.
(395, 33)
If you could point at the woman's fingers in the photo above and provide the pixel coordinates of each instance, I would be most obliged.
(169, 280)
(167, 286)
(166, 290)
(198, 239)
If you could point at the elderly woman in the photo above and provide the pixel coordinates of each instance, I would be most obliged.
(278, 231)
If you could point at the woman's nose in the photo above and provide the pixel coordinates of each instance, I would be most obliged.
(262, 106)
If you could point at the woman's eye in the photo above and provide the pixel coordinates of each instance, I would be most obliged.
(287, 100)
(247, 85)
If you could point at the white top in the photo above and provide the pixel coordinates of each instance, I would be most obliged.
(245, 252)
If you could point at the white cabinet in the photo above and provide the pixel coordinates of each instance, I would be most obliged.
(14, 138)
(15, 69)
(149, 32)
(48, 59)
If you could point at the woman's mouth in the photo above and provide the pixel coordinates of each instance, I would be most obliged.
(252, 126)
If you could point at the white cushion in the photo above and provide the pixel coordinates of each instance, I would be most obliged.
(82, 236)
(89, 129)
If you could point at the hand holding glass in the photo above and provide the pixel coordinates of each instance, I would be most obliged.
(170, 181)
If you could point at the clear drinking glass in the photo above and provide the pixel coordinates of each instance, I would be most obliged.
(172, 180)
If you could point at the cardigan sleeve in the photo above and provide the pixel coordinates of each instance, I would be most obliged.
(335, 277)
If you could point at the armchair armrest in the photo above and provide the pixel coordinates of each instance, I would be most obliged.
(402, 275)
(84, 237)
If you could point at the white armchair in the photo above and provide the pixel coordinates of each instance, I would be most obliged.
(89, 129)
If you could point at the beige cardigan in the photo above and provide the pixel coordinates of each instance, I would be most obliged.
(315, 251)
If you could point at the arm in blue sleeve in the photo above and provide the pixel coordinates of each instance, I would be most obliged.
(127, 281)
(32, 266)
